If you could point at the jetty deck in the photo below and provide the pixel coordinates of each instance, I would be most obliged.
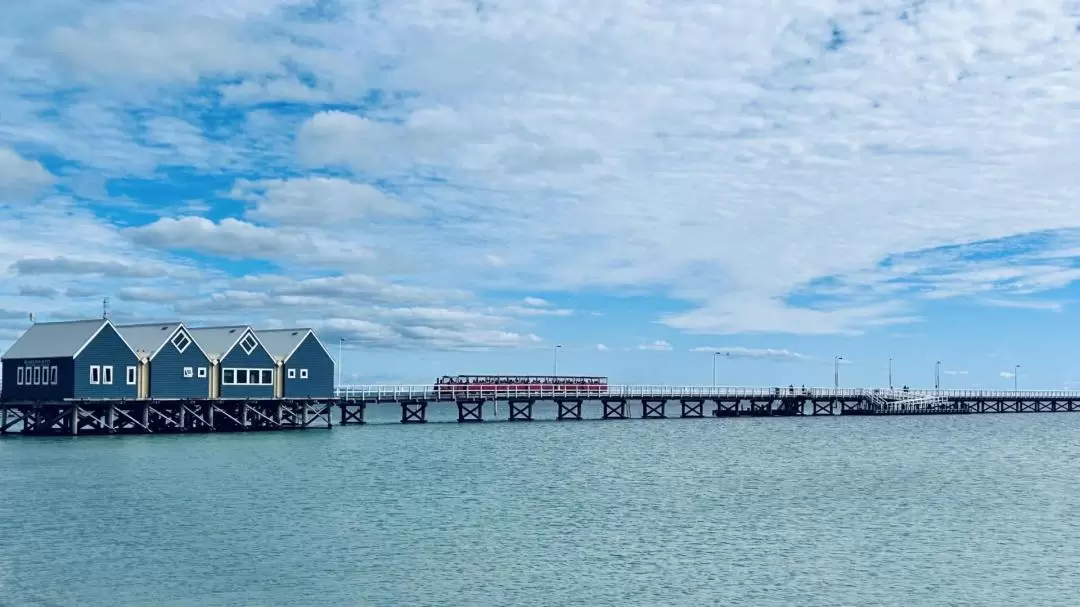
(97, 417)
(661, 401)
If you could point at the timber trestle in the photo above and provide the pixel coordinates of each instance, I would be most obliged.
(95, 417)
(777, 403)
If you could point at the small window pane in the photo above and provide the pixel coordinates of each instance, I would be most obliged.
(37, 376)
(52, 375)
(230, 376)
(267, 377)
(241, 376)
(106, 375)
(189, 372)
(202, 371)
(292, 373)
(20, 375)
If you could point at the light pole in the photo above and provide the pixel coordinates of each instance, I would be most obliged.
(714, 355)
(341, 341)
(890, 373)
(1016, 373)
(836, 372)
(556, 373)
(937, 375)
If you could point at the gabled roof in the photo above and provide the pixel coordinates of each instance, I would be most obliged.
(56, 339)
(217, 342)
(147, 339)
(282, 343)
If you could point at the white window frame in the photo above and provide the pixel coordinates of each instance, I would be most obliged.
(303, 374)
(186, 340)
(107, 375)
(189, 372)
(131, 375)
(257, 372)
(244, 342)
(202, 372)
(37, 376)
(292, 374)
(54, 375)
(95, 375)
(20, 375)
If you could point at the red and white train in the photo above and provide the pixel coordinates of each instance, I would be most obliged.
(460, 385)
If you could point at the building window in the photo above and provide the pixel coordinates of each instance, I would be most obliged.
(95, 374)
(248, 377)
(52, 376)
(292, 373)
(202, 371)
(303, 373)
(37, 376)
(132, 373)
(249, 343)
(20, 375)
(189, 372)
(181, 341)
(106, 375)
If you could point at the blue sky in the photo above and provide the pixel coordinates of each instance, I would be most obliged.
(458, 187)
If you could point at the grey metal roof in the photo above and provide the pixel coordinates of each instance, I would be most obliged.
(216, 341)
(54, 339)
(147, 338)
(281, 343)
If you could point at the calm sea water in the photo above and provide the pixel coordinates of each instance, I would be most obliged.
(951, 510)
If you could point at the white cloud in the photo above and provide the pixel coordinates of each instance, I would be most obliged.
(19, 177)
(1007, 374)
(952, 372)
(755, 353)
(535, 301)
(657, 346)
(602, 348)
(316, 201)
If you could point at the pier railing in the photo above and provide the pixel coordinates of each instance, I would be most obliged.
(430, 392)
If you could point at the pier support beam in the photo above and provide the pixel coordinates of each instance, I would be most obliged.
(615, 408)
(726, 408)
(414, 411)
(693, 407)
(822, 407)
(470, 410)
(653, 408)
(352, 411)
(521, 409)
(569, 408)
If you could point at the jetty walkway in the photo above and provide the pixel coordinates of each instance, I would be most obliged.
(660, 401)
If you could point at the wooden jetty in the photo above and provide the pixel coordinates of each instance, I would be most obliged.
(658, 402)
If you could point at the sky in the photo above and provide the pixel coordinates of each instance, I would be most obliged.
(620, 188)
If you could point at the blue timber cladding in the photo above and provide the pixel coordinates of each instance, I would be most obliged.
(43, 390)
(320, 371)
(167, 373)
(106, 349)
(239, 359)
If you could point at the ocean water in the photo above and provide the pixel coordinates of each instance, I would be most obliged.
(946, 510)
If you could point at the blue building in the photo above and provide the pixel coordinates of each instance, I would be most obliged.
(240, 365)
(305, 368)
(171, 363)
(81, 359)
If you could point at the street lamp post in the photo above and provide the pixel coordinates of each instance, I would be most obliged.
(714, 355)
(937, 375)
(340, 343)
(556, 366)
(890, 373)
(836, 372)
(1016, 374)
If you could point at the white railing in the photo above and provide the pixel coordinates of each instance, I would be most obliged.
(396, 392)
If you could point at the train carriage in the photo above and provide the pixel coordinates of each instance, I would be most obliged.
(451, 386)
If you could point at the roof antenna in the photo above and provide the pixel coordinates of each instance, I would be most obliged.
(105, 309)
